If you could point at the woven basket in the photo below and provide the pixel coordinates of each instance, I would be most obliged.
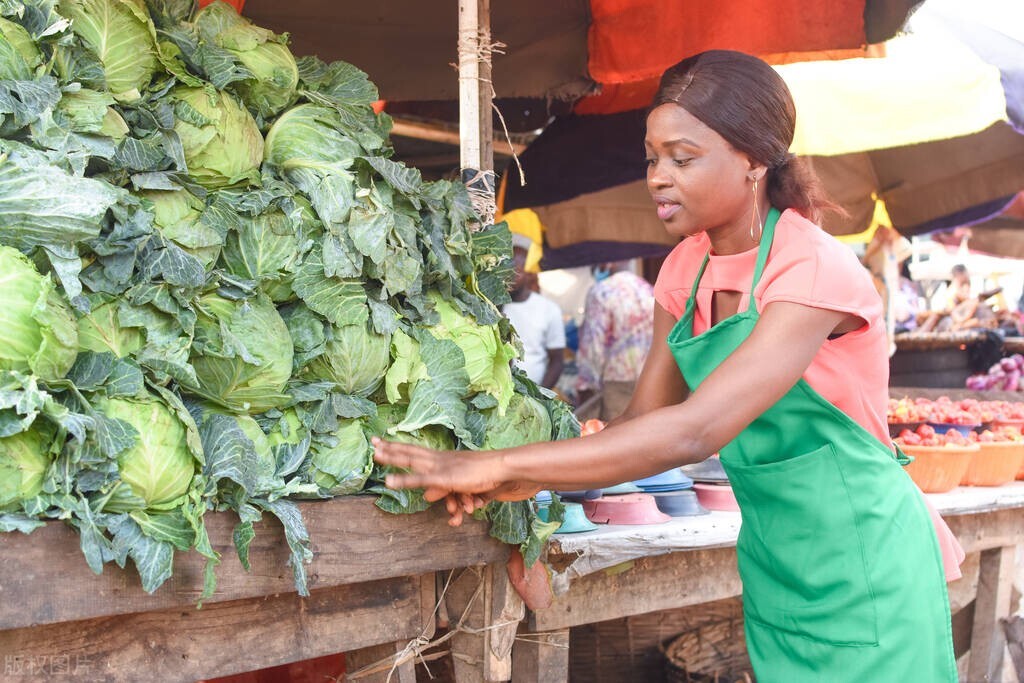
(628, 650)
(715, 653)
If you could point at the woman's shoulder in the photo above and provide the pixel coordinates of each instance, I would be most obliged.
(807, 260)
(800, 239)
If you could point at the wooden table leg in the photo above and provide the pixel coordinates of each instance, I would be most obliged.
(483, 601)
(541, 657)
(988, 643)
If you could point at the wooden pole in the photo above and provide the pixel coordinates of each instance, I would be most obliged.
(476, 134)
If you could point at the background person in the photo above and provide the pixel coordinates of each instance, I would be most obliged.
(538, 322)
(769, 348)
(618, 325)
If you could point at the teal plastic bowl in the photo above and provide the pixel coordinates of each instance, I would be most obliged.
(575, 520)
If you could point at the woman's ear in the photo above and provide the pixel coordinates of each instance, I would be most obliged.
(757, 170)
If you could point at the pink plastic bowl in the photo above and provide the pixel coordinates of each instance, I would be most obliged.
(716, 497)
(631, 508)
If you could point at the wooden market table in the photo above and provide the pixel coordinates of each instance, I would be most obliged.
(619, 571)
(372, 590)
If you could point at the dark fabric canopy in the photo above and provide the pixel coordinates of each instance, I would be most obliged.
(564, 49)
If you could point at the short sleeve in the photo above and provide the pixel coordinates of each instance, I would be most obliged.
(809, 267)
(554, 334)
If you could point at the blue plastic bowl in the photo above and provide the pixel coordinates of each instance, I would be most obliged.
(942, 428)
(673, 477)
(680, 503)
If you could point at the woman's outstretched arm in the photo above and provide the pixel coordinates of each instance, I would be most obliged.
(763, 368)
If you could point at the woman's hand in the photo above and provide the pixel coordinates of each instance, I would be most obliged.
(467, 480)
(440, 472)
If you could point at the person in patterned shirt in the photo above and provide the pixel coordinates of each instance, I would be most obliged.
(618, 325)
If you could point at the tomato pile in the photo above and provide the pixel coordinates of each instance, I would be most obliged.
(944, 410)
(925, 435)
(1001, 435)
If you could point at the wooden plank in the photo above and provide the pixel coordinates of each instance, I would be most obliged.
(541, 657)
(224, 638)
(645, 585)
(368, 656)
(400, 655)
(988, 530)
(1013, 630)
(988, 644)
(963, 622)
(487, 611)
(44, 578)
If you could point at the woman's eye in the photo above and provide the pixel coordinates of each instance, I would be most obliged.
(651, 161)
(682, 162)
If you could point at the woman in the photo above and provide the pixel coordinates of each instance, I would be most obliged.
(774, 354)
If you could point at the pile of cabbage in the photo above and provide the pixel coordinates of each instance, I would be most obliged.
(217, 286)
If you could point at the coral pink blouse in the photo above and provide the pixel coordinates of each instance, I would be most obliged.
(809, 267)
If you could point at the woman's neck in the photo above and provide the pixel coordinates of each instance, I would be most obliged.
(735, 237)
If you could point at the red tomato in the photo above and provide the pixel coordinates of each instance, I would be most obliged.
(591, 427)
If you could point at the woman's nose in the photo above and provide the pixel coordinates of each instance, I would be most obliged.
(656, 176)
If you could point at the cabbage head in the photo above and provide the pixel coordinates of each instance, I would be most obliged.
(311, 137)
(223, 146)
(121, 36)
(24, 458)
(287, 430)
(264, 465)
(487, 356)
(264, 248)
(355, 358)
(177, 214)
(406, 369)
(275, 74)
(158, 469)
(340, 463)
(89, 111)
(100, 329)
(242, 353)
(432, 436)
(19, 55)
(38, 333)
(526, 421)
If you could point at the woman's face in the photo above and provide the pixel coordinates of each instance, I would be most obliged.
(697, 180)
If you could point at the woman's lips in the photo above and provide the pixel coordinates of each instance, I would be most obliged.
(667, 209)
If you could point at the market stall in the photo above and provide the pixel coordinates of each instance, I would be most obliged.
(371, 581)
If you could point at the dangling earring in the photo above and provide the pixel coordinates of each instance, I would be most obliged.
(755, 212)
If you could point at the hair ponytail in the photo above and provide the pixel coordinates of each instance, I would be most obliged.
(793, 184)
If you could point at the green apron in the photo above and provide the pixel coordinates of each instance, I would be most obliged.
(841, 568)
